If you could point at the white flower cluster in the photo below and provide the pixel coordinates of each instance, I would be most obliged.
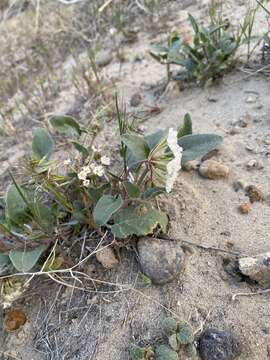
(93, 169)
(174, 165)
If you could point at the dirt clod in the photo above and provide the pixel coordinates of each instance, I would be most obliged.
(212, 169)
(245, 208)
(219, 345)
(255, 194)
(14, 319)
(107, 258)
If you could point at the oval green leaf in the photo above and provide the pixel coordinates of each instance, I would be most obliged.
(25, 260)
(42, 144)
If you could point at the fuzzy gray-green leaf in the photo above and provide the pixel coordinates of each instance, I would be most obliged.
(136, 145)
(25, 260)
(163, 352)
(132, 190)
(42, 144)
(65, 125)
(138, 220)
(170, 326)
(195, 146)
(136, 352)
(16, 208)
(106, 206)
(185, 334)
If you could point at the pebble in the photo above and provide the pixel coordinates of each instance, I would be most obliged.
(255, 194)
(240, 184)
(191, 165)
(242, 122)
(245, 208)
(135, 100)
(257, 268)
(235, 130)
(107, 258)
(254, 164)
(212, 169)
(103, 57)
(251, 99)
(160, 260)
(219, 345)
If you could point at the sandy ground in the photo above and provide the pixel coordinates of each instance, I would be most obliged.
(74, 325)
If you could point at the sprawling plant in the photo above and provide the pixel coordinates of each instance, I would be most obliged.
(206, 57)
(90, 195)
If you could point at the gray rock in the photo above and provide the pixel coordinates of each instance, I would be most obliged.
(103, 57)
(136, 99)
(257, 268)
(160, 260)
(219, 345)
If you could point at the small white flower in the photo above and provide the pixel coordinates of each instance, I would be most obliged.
(86, 182)
(105, 160)
(97, 169)
(174, 165)
(82, 175)
(96, 149)
(67, 162)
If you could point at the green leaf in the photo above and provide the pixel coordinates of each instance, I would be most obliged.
(136, 352)
(132, 190)
(105, 208)
(190, 350)
(42, 144)
(16, 207)
(25, 260)
(186, 129)
(163, 352)
(97, 192)
(153, 192)
(173, 342)
(170, 326)
(4, 261)
(138, 220)
(194, 23)
(82, 149)
(137, 146)
(159, 53)
(65, 125)
(153, 140)
(44, 216)
(195, 146)
(185, 334)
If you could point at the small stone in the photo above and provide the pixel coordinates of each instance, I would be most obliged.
(135, 100)
(245, 208)
(257, 268)
(212, 169)
(251, 99)
(160, 260)
(242, 122)
(103, 57)
(255, 194)
(107, 258)
(235, 130)
(191, 165)
(240, 184)
(266, 329)
(219, 345)
(254, 164)
(14, 319)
